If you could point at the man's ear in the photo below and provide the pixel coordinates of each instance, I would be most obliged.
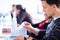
(54, 6)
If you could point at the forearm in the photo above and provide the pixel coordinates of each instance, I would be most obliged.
(35, 31)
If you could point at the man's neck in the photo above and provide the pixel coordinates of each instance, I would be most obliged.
(57, 14)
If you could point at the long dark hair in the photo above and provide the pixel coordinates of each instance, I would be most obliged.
(21, 9)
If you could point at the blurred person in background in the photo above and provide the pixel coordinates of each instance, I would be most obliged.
(22, 15)
(12, 10)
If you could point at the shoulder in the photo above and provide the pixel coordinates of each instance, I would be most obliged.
(57, 22)
(26, 13)
(55, 33)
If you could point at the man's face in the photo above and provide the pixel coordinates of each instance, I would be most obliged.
(48, 10)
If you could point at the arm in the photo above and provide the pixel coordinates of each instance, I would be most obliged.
(35, 25)
(31, 29)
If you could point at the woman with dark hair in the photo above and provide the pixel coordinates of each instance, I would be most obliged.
(22, 15)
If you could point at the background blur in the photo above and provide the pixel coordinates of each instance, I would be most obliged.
(33, 7)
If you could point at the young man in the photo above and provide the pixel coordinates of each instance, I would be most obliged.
(51, 8)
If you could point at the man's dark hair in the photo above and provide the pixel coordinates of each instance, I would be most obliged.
(51, 2)
(19, 7)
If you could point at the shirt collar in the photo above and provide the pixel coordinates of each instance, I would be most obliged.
(56, 18)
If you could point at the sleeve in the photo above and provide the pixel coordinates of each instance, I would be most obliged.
(41, 34)
(35, 25)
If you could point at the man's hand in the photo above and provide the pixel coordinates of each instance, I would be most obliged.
(28, 27)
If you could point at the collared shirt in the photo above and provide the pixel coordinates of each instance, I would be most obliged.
(56, 18)
(49, 28)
